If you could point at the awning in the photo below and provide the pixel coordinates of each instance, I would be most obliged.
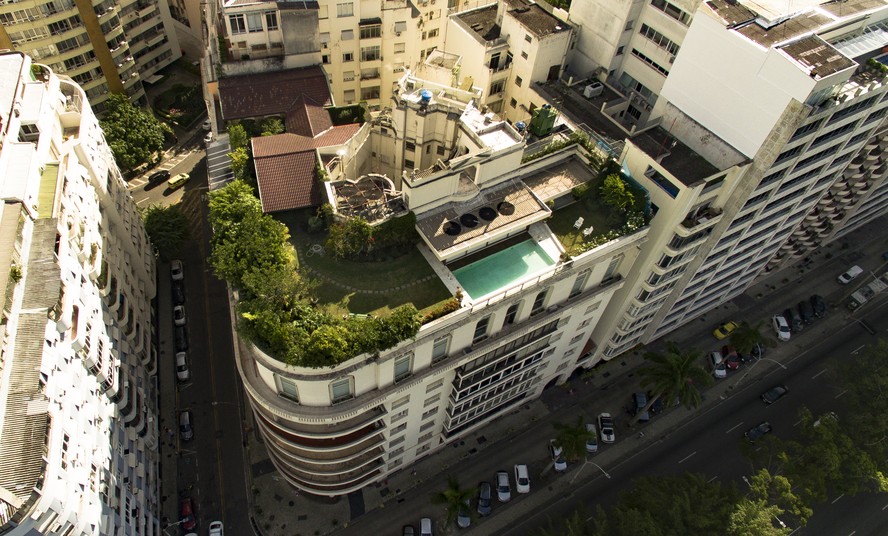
(153, 79)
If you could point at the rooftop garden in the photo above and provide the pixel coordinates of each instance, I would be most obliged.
(280, 307)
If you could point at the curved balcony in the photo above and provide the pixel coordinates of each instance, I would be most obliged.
(331, 486)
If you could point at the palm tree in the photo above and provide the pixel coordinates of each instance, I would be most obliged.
(675, 375)
(453, 498)
(746, 336)
(572, 439)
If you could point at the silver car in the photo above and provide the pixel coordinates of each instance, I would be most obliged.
(592, 442)
(503, 488)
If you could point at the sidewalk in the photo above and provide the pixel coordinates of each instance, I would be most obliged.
(278, 509)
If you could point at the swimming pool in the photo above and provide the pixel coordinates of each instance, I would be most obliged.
(502, 268)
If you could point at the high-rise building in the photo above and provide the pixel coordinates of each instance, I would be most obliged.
(106, 47)
(78, 399)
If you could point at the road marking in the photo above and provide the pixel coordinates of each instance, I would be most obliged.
(837, 500)
(686, 458)
(735, 427)
(814, 377)
(711, 479)
(840, 394)
(884, 507)
(796, 423)
(854, 351)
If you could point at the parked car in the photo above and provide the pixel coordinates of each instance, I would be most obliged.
(408, 530)
(186, 429)
(806, 311)
(503, 488)
(733, 360)
(463, 518)
(216, 529)
(186, 514)
(794, 321)
(781, 327)
(592, 442)
(639, 403)
(606, 425)
(725, 330)
(818, 304)
(177, 272)
(181, 339)
(758, 350)
(774, 394)
(522, 478)
(558, 461)
(179, 315)
(850, 274)
(717, 365)
(182, 372)
(178, 181)
(757, 431)
(485, 494)
(158, 176)
(425, 526)
(657, 406)
(178, 293)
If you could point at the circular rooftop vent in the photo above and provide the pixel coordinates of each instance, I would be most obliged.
(469, 221)
(487, 214)
(505, 208)
(452, 228)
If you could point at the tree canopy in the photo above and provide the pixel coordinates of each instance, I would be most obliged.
(616, 193)
(453, 498)
(675, 375)
(167, 228)
(133, 134)
(572, 438)
(746, 336)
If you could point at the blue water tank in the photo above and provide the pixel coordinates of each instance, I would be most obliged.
(425, 96)
(520, 126)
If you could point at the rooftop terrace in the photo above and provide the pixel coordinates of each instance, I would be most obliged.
(679, 159)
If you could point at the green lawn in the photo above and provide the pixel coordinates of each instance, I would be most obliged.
(370, 286)
(601, 217)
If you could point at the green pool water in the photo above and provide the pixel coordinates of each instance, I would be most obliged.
(502, 268)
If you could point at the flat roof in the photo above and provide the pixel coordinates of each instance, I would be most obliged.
(821, 58)
(680, 160)
(482, 21)
(536, 19)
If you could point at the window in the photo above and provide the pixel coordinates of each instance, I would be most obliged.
(325, 58)
(513, 103)
(579, 284)
(433, 33)
(429, 413)
(539, 302)
(511, 313)
(481, 329)
(347, 57)
(370, 53)
(653, 65)
(238, 24)
(409, 164)
(440, 150)
(271, 20)
(399, 48)
(346, 35)
(400, 402)
(435, 385)
(672, 11)
(348, 76)
(287, 389)
(431, 400)
(497, 87)
(524, 55)
(629, 25)
(349, 95)
(398, 429)
(254, 22)
(402, 367)
(659, 39)
(369, 32)
(620, 50)
(439, 349)
(422, 448)
(345, 10)
(340, 390)
(396, 441)
(518, 81)
(410, 146)
(528, 38)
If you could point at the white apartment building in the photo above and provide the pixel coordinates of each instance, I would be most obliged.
(479, 211)
(78, 400)
(106, 47)
(798, 110)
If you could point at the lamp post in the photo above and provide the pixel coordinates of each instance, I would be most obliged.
(587, 462)
(753, 366)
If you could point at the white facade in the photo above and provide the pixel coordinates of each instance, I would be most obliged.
(78, 429)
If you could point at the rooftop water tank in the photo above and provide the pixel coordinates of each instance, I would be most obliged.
(542, 121)
(425, 96)
(520, 126)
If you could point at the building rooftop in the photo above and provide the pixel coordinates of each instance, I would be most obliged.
(272, 93)
(536, 19)
(482, 21)
(818, 56)
(680, 160)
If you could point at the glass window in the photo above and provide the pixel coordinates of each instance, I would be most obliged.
(368, 93)
(539, 302)
(481, 329)
(369, 32)
(399, 48)
(439, 349)
(271, 20)
(341, 390)
(402, 367)
(238, 24)
(579, 284)
(347, 35)
(345, 10)
(511, 313)
(288, 389)
(518, 81)
(348, 56)
(370, 53)
(254, 22)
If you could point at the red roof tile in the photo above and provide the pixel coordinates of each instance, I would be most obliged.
(287, 182)
(272, 93)
(307, 118)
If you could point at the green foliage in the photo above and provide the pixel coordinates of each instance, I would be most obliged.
(675, 376)
(876, 65)
(133, 134)
(572, 438)
(180, 105)
(240, 163)
(746, 336)
(237, 136)
(580, 191)
(271, 126)
(755, 517)
(444, 309)
(453, 498)
(396, 232)
(355, 238)
(616, 193)
(167, 227)
(575, 138)
(15, 273)
(777, 490)
(250, 250)
(347, 115)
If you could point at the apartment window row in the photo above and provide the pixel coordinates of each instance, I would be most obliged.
(741, 220)
(646, 295)
(833, 134)
(650, 62)
(679, 242)
(396, 441)
(673, 11)
(844, 158)
(482, 400)
(659, 39)
(851, 110)
(514, 344)
(505, 368)
(400, 402)
(796, 180)
(878, 114)
(786, 155)
(668, 260)
(370, 31)
(829, 151)
(806, 129)
(403, 367)
(771, 178)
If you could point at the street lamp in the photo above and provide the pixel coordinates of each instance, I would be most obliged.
(753, 366)
(589, 463)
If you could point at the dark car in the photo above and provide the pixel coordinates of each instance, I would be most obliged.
(639, 402)
(178, 293)
(186, 427)
(408, 530)
(758, 431)
(774, 394)
(806, 311)
(657, 406)
(158, 176)
(819, 305)
(186, 513)
(181, 339)
(485, 498)
(794, 320)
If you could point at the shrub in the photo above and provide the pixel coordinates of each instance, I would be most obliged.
(443, 309)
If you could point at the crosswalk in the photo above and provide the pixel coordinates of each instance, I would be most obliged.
(218, 163)
(169, 162)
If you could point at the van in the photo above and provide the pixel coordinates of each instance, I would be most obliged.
(852, 272)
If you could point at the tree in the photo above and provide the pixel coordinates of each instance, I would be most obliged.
(755, 517)
(572, 438)
(454, 498)
(133, 134)
(349, 239)
(272, 126)
(777, 490)
(230, 205)
(865, 381)
(675, 376)
(240, 163)
(167, 228)
(746, 336)
(616, 192)
(237, 136)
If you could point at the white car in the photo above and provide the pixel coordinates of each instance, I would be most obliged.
(176, 271)
(179, 315)
(182, 372)
(592, 442)
(216, 529)
(425, 526)
(208, 138)
(606, 425)
(781, 327)
(717, 363)
(503, 488)
(207, 125)
(558, 461)
(852, 273)
(522, 479)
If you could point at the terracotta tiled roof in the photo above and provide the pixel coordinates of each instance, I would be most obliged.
(307, 118)
(285, 167)
(272, 93)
